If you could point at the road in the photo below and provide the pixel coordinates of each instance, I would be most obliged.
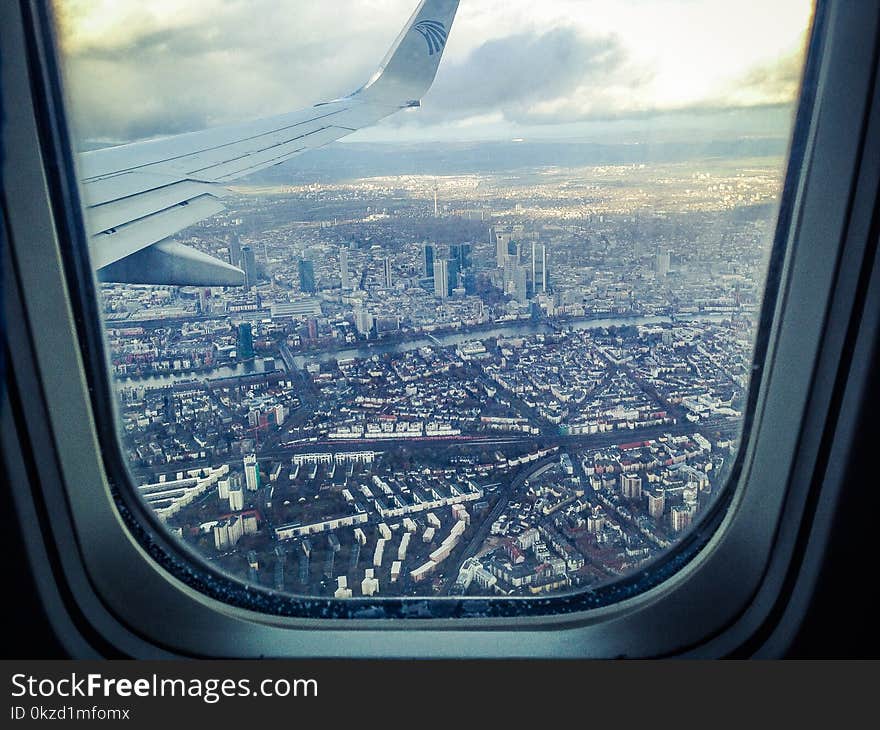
(483, 530)
(566, 444)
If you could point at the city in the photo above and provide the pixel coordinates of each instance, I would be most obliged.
(487, 383)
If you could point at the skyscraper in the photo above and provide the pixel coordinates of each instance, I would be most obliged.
(306, 276)
(441, 279)
(249, 264)
(501, 241)
(461, 253)
(663, 262)
(343, 268)
(429, 260)
(387, 274)
(520, 284)
(540, 273)
(509, 274)
(464, 256)
(234, 250)
(245, 349)
(363, 321)
(452, 274)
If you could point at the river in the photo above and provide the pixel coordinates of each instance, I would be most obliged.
(251, 367)
(522, 328)
(510, 330)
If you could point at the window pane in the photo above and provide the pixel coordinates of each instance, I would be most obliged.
(498, 344)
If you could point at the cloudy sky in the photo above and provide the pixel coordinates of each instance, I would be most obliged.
(572, 69)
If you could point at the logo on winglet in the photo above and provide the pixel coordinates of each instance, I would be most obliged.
(434, 33)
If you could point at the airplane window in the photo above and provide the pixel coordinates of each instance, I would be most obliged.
(483, 327)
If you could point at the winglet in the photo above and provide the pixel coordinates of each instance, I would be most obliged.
(408, 70)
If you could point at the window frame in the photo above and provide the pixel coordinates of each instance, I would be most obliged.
(105, 585)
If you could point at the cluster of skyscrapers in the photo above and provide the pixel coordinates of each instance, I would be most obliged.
(523, 278)
(451, 273)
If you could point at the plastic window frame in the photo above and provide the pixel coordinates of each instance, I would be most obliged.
(120, 599)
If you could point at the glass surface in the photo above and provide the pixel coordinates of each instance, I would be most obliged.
(496, 345)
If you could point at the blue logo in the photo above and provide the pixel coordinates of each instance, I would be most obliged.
(434, 33)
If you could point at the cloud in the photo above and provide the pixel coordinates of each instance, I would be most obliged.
(224, 61)
(563, 77)
(774, 82)
(138, 70)
(530, 77)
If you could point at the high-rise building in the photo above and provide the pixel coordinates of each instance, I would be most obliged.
(540, 273)
(663, 261)
(502, 240)
(461, 253)
(515, 278)
(429, 260)
(306, 276)
(245, 345)
(596, 521)
(251, 472)
(441, 279)
(464, 256)
(343, 268)
(508, 274)
(445, 277)
(249, 264)
(236, 499)
(521, 284)
(387, 273)
(453, 268)
(656, 503)
(679, 518)
(631, 486)
(234, 250)
(363, 320)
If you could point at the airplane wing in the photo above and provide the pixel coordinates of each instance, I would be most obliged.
(138, 195)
